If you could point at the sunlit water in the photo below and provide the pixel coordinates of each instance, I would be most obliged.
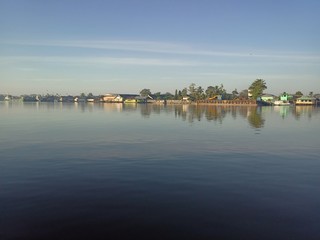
(113, 171)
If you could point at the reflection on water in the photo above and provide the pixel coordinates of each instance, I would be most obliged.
(255, 118)
(300, 111)
(190, 113)
(146, 171)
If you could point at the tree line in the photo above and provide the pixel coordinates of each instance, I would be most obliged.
(195, 93)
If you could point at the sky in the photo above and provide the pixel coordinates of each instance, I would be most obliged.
(124, 46)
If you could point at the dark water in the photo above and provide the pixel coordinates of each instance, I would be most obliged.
(112, 171)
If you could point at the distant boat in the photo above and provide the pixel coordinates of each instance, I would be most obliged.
(90, 100)
(7, 98)
(281, 103)
(130, 101)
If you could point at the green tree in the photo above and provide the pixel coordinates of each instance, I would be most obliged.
(145, 92)
(243, 94)
(299, 94)
(234, 93)
(199, 93)
(168, 96)
(192, 91)
(184, 92)
(216, 90)
(158, 95)
(210, 92)
(221, 90)
(257, 87)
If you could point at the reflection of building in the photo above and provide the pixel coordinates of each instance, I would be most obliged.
(283, 110)
(303, 109)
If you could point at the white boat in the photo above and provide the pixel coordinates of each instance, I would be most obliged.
(7, 98)
(281, 103)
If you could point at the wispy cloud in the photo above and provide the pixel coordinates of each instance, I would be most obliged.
(26, 69)
(166, 48)
(99, 61)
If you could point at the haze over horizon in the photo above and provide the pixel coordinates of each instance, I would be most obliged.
(125, 46)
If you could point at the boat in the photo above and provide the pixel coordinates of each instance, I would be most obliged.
(130, 101)
(7, 98)
(281, 103)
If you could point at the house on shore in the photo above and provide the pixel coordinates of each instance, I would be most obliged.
(268, 97)
(68, 98)
(118, 98)
(286, 97)
(126, 98)
(305, 100)
(109, 97)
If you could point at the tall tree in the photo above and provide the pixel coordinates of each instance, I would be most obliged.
(299, 94)
(221, 90)
(216, 90)
(145, 92)
(243, 94)
(257, 87)
(184, 92)
(158, 95)
(210, 92)
(235, 93)
(192, 91)
(168, 96)
(199, 93)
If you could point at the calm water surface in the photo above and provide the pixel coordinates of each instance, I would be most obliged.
(113, 171)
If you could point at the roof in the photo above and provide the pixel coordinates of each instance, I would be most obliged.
(267, 95)
(306, 98)
(130, 96)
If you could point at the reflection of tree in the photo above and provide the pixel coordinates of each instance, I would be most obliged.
(214, 113)
(195, 112)
(234, 113)
(156, 108)
(255, 119)
(179, 112)
(129, 107)
(145, 110)
(210, 112)
(244, 111)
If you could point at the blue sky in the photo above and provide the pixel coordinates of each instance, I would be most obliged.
(124, 46)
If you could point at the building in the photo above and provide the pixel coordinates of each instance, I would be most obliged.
(286, 97)
(108, 97)
(304, 100)
(267, 97)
